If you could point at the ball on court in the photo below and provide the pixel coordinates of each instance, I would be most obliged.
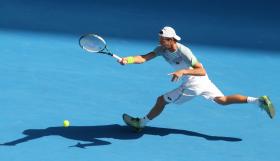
(66, 123)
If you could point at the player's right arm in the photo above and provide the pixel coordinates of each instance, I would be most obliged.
(139, 59)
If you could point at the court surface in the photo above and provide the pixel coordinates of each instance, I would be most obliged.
(46, 78)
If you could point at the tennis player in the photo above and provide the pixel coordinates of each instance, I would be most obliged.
(193, 75)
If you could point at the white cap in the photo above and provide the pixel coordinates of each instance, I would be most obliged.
(169, 32)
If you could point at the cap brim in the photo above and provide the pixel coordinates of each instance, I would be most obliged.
(178, 38)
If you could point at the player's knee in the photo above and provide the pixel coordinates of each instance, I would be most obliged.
(221, 100)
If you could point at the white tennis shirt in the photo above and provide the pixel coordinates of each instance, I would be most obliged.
(182, 58)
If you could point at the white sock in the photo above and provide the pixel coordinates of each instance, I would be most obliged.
(144, 121)
(253, 100)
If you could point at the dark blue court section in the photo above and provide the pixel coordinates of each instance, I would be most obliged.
(238, 23)
(46, 78)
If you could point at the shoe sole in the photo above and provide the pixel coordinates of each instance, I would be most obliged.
(271, 109)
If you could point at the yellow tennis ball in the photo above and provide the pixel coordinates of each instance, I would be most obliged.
(66, 123)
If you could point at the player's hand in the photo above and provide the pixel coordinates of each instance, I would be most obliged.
(176, 75)
(123, 61)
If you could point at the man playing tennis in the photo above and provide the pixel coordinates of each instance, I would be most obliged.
(194, 78)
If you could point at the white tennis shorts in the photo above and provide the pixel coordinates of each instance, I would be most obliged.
(186, 92)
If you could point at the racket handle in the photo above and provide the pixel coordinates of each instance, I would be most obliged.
(117, 57)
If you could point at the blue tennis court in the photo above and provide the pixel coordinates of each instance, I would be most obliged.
(47, 78)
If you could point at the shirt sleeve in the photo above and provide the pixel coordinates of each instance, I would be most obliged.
(158, 51)
(189, 56)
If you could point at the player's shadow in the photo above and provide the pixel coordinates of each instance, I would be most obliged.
(93, 135)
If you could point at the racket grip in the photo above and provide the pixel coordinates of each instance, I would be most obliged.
(117, 57)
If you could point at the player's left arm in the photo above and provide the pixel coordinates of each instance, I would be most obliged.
(196, 70)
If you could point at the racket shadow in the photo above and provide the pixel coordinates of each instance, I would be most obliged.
(93, 135)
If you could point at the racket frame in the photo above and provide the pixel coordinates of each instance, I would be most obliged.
(102, 51)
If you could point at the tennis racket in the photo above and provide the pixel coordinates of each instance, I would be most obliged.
(95, 44)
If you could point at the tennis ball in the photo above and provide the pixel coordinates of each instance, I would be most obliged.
(66, 123)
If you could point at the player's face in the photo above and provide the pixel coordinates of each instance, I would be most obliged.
(166, 42)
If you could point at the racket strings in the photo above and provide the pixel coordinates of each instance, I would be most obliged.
(92, 43)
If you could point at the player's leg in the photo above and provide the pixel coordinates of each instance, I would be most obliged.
(226, 100)
(139, 123)
(213, 93)
(157, 108)
(263, 102)
(177, 96)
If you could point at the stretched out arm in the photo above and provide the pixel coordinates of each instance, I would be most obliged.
(139, 59)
